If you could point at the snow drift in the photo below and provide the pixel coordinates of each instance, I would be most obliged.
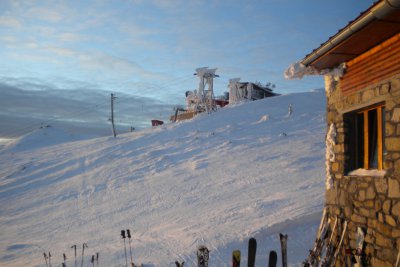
(247, 170)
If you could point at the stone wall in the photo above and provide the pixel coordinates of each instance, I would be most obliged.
(369, 202)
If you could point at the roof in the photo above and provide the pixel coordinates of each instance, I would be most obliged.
(373, 26)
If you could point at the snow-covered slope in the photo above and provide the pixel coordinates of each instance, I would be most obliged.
(42, 137)
(247, 170)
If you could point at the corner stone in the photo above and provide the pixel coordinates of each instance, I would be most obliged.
(392, 143)
(394, 188)
(370, 194)
(396, 115)
(397, 166)
(396, 210)
(381, 185)
(378, 262)
(358, 219)
(331, 196)
(390, 220)
(383, 241)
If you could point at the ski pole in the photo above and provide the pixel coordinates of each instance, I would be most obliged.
(123, 236)
(97, 259)
(92, 261)
(49, 259)
(283, 238)
(74, 246)
(130, 247)
(45, 258)
(83, 251)
(65, 260)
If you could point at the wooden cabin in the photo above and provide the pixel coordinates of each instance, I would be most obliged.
(361, 66)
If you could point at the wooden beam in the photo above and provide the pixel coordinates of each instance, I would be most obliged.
(366, 141)
(380, 139)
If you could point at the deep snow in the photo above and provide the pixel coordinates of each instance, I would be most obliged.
(217, 180)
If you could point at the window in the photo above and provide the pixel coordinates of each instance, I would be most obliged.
(365, 138)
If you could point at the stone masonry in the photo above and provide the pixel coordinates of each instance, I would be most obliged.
(369, 202)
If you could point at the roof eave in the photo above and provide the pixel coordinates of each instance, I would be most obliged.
(377, 11)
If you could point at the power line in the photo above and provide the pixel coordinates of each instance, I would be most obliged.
(155, 86)
(17, 132)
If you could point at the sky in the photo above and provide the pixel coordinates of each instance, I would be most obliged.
(146, 51)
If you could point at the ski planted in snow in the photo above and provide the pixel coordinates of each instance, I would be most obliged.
(45, 258)
(315, 253)
(283, 239)
(356, 255)
(273, 258)
(123, 236)
(84, 245)
(203, 255)
(251, 259)
(236, 258)
(64, 264)
(339, 245)
(74, 247)
(128, 233)
(330, 247)
(360, 245)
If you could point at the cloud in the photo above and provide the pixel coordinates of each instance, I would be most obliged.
(72, 37)
(134, 30)
(115, 66)
(27, 57)
(45, 14)
(76, 61)
(61, 51)
(11, 22)
(8, 39)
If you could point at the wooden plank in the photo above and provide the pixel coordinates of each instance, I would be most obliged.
(380, 140)
(366, 141)
(389, 42)
(380, 63)
(371, 75)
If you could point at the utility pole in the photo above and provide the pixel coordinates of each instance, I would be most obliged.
(112, 114)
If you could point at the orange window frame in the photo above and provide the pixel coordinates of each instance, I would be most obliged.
(379, 136)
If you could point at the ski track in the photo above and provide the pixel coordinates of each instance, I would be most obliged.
(216, 180)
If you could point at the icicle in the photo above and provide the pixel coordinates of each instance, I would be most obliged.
(330, 154)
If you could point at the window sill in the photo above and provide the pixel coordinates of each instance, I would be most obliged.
(364, 172)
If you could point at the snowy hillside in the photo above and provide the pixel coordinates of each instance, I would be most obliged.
(248, 170)
(42, 137)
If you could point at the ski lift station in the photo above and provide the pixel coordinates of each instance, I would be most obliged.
(203, 99)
